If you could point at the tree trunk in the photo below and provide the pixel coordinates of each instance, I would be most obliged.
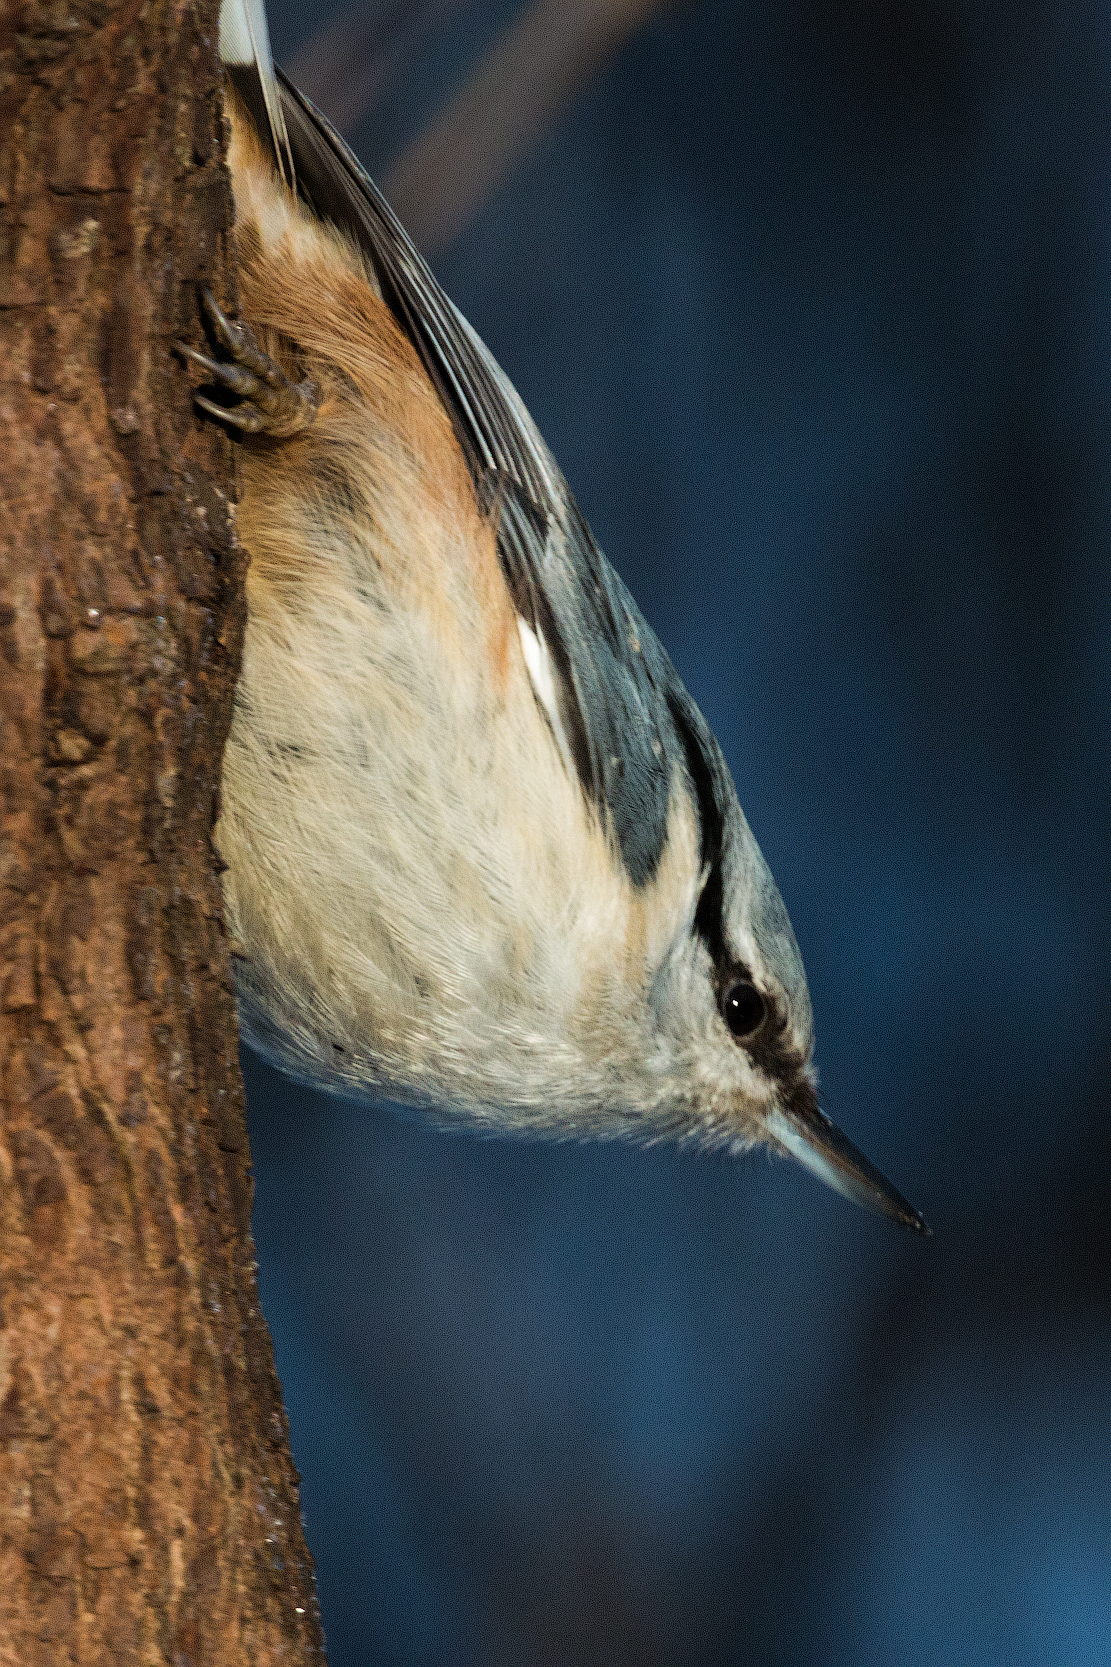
(148, 1501)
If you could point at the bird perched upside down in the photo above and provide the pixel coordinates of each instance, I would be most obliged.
(483, 852)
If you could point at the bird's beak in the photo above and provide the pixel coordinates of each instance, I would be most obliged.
(803, 1130)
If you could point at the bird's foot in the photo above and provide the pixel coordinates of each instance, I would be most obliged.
(271, 403)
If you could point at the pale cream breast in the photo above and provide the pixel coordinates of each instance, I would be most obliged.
(389, 768)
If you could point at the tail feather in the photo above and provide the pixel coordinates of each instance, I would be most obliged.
(245, 52)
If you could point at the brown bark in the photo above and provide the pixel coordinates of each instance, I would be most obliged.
(148, 1501)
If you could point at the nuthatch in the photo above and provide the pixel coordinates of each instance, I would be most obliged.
(483, 852)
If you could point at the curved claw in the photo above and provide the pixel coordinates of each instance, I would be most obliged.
(235, 339)
(202, 359)
(272, 404)
(245, 417)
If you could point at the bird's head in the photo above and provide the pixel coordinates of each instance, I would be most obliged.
(733, 998)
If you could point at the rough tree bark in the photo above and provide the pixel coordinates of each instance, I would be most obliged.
(148, 1501)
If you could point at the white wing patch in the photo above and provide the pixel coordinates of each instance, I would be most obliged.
(542, 676)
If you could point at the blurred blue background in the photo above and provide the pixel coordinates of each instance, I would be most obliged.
(813, 303)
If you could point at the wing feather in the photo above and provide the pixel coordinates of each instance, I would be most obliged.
(615, 690)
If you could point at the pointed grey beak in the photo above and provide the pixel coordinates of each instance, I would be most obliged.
(805, 1131)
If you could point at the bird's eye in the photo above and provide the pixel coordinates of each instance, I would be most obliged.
(743, 1009)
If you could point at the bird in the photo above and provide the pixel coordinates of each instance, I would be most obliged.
(482, 853)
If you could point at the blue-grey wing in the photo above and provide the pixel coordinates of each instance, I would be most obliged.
(626, 720)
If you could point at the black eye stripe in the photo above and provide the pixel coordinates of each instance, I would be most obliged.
(753, 1020)
(702, 766)
(743, 1008)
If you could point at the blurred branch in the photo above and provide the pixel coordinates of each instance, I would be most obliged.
(345, 65)
(526, 80)
(528, 77)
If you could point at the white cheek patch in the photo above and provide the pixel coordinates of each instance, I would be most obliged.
(542, 676)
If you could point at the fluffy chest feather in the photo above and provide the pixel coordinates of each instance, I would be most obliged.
(458, 921)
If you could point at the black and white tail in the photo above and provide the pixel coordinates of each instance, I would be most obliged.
(246, 56)
(612, 676)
